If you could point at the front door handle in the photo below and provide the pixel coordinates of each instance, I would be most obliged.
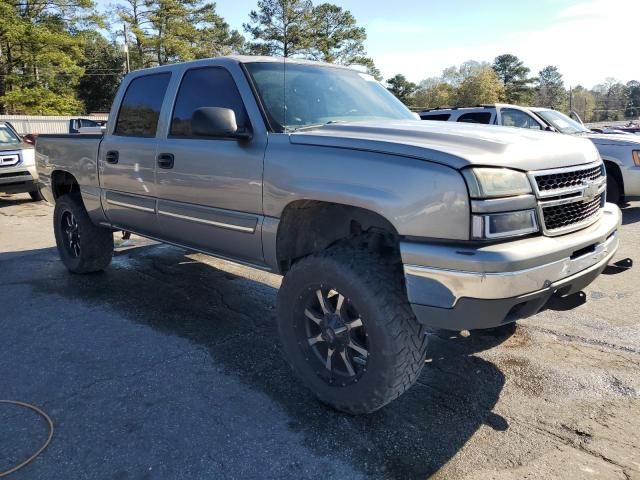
(112, 156)
(165, 160)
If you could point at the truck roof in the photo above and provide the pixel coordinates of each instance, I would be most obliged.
(237, 59)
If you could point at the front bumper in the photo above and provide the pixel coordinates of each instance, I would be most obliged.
(19, 179)
(460, 288)
(631, 180)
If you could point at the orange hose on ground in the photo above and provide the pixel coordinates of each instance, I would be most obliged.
(42, 448)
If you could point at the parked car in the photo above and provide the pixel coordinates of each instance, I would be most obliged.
(85, 125)
(610, 131)
(17, 164)
(621, 153)
(382, 225)
(75, 125)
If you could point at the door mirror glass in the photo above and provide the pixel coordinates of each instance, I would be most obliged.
(216, 122)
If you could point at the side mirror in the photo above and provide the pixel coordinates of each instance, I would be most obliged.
(549, 128)
(217, 122)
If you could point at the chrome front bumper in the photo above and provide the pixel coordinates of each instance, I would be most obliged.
(501, 275)
(18, 179)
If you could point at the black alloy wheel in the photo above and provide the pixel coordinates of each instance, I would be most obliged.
(333, 336)
(71, 234)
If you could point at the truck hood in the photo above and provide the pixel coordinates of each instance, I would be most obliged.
(457, 145)
(614, 139)
(5, 147)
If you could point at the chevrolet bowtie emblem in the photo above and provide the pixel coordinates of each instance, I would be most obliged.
(590, 190)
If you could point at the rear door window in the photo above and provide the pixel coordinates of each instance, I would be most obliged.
(141, 105)
(475, 117)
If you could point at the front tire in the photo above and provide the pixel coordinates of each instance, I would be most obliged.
(83, 246)
(347, 329)
(614, 192)
(36, 196)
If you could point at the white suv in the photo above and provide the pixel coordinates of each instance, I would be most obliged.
(621, 153)
(17, 164)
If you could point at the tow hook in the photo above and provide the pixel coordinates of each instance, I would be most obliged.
(618, 267)
(558, 302)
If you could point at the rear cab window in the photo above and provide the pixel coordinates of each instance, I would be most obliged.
(442, 117)
(141, 105)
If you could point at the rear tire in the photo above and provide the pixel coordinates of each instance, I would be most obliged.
(390, 343)
(83, 246)
(36, 196)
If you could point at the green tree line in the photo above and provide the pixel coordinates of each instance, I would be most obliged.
(67, 57)
(508, 80)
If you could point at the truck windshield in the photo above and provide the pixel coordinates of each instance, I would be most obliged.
(301, 95)
(561, 122)
(7, 136)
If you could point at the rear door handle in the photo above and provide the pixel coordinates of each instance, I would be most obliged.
(165, 160)
(112, 156)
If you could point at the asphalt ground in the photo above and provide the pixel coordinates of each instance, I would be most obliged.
(167, 365)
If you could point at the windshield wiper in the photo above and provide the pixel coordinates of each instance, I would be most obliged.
(311, 127)
(302, 128)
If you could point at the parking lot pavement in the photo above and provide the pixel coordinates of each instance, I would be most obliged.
(167, 366)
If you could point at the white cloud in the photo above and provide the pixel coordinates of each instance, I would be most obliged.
(595, 8)
(588, 42)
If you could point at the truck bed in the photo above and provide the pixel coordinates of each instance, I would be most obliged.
(73, 153)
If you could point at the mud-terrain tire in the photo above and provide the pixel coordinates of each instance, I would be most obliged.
(83, 246)
(373, 290)
(36, 196)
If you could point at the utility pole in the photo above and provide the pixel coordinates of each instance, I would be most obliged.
(570, 99)
(127, 66)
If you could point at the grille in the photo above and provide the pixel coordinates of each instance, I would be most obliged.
(569, 214)
(565, 180)
(9, 160)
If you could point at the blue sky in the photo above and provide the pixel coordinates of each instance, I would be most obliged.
(584, 38)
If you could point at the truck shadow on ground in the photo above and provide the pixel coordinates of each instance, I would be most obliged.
(630, 215)
(12, 201)
(232, 317)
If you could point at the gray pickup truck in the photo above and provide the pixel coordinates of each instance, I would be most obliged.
(382, 225)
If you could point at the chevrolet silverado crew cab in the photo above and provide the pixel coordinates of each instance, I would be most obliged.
(17, 164)
(382, 225)
(620, 152)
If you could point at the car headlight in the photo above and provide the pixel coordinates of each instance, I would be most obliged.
(501, 225)
(28, 156)
(486, 182)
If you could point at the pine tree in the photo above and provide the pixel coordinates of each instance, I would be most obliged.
(514, 77)
(550, 91)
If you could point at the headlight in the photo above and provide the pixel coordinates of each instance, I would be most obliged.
(636, 157)
(496, 182)
(28, 156)
(500, 225)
